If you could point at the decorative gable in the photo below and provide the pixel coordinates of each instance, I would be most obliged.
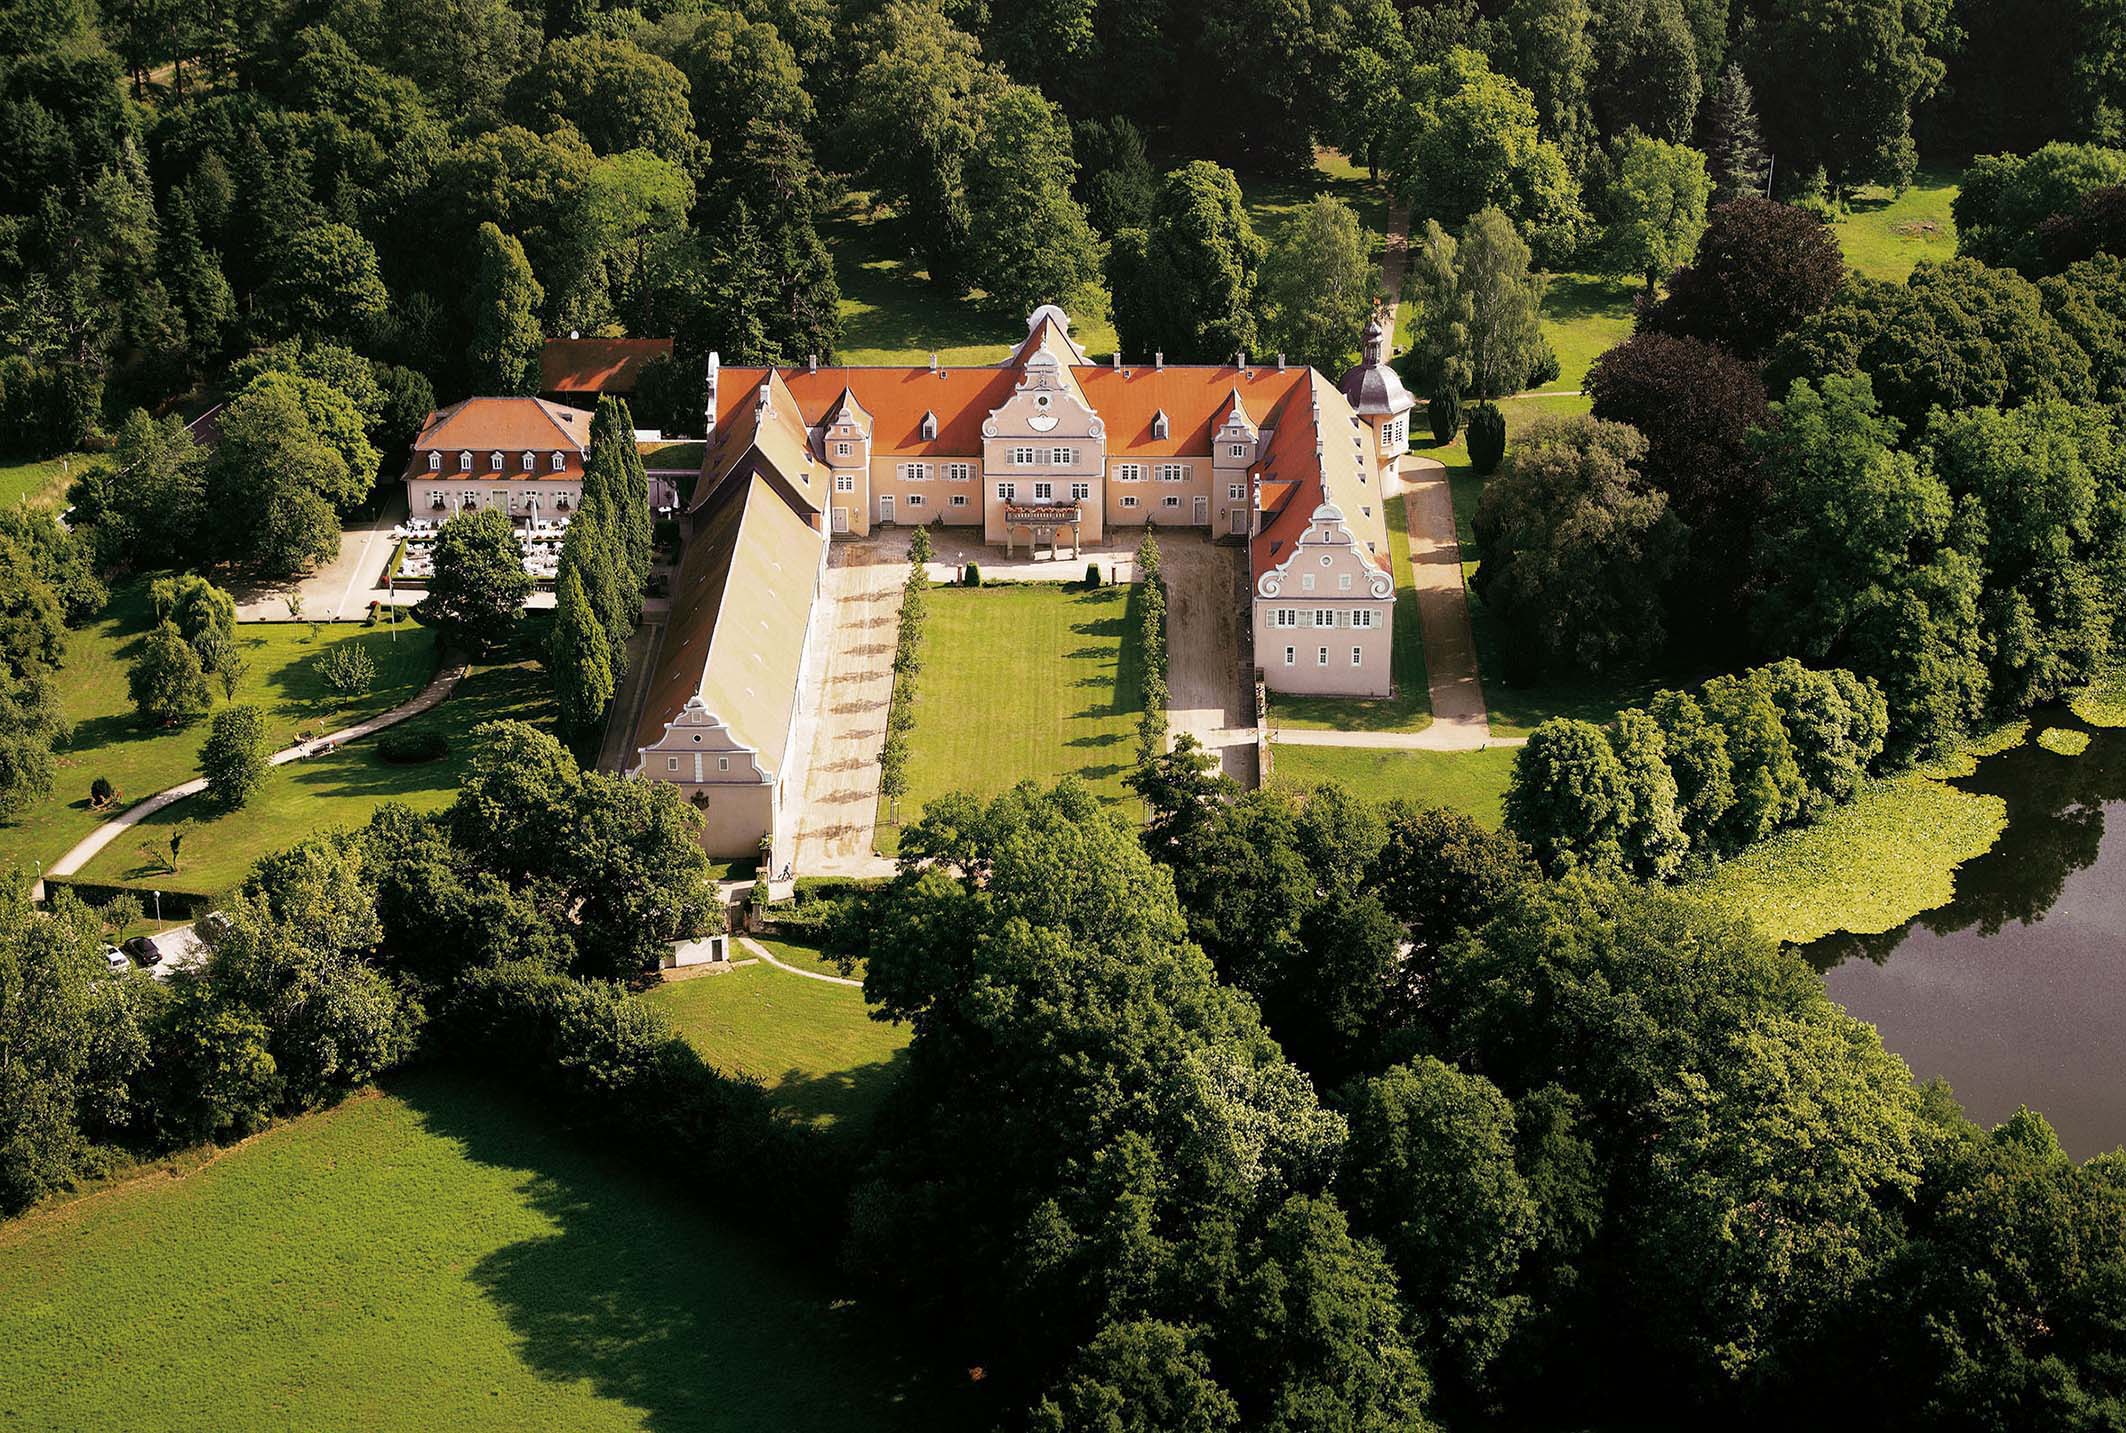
(1327, 553)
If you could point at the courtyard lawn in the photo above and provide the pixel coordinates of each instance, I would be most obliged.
(1034, 682)
(433, 1257)
(814, 1045)
(339, 789)
(1472, 782)
(1584, 316)
(1885, 234)
(110, 741)
(1410, 709)
(668, 456)
(41, 482)
(892, 313)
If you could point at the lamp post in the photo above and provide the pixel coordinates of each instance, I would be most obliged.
(158, 907)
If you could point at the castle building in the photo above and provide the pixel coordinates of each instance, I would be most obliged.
(1044, 450)
(525, 456)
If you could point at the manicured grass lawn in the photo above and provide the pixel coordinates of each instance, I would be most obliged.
(336, 790)
(810, 957)
(674, 455)
(109, 740)
(41, 483)
(1866, 867)
(429, 1258)
(1274, 200)
(1473, 782)
(891, 313)
(1410, 709)
(1041, 681)
(1885, 234)
(814, 1045)
(1584, 315)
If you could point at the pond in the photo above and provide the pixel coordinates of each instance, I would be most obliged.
(2015, 992)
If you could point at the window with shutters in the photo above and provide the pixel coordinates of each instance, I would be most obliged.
(1064, 457)
(1363, 617)
(1129, 500)
(1325, 616)
(958, 472)
(1129, 472)
(1025, 457)
(1172, 472)
(845, 482)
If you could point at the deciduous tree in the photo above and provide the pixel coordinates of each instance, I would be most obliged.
(480, 584)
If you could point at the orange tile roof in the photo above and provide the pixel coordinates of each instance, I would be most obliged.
(897, 399)
(1195, 400)
(597, 365)
(508, 424)
(1340, 475)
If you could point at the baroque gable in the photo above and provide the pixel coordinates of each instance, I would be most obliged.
(1328, 551)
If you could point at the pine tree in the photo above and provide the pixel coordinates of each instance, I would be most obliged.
(577, 656)
(1734, 144)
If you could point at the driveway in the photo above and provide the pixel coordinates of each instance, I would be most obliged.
(1207, 696)
(841, 725)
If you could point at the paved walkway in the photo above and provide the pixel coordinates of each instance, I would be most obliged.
(846, 685)
(762, 951)
(1460, 721)
(86, 848)
(1208, 695)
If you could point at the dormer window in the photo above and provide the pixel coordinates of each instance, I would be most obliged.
(494, 462)
(435, 462)
(930, 425)
(464, 462)
(1160, 427)
(560, 462)
(531, 462)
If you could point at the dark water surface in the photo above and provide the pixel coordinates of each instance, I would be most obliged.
(2015, 992)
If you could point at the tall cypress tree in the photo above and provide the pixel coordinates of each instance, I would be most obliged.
(627, 482)
(588, 552)
(503, 357)
(578, 656)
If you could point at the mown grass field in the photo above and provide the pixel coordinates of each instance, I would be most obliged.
(109, 739)
(1885, 234)
(1472, 782)
(339, 789)
(41, 482)
(431, 1258)
(1584, 316)
(1035, 682)
(1410, 709)
(814, 1045)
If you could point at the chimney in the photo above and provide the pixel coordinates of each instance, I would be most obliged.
(811, 363)
(708, 397)
(1115, 359)
(933, 361)
(1159, 359)
(1243, 359)
(1280, 363)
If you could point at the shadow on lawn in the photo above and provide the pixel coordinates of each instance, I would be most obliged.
(848, 1097)
(655, 1296)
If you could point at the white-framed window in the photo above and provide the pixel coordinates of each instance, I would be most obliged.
(1009, 492)
(1064, 457)
(1391, 436)
(531, 462)
(1321, 657)
(1238, 450)
(1171, 500)
(494, 461)
(671, 763)
(915, 472)
(959, 500)
(930, 426)
(1025, 457)
(1367, 509)
(1172, 473)
(1129, 472)
(1236, 491)
(1306, 582)
(1358, 656)
(470, 498)
(1289, 654)
(958, 472)
(1343, 582)
(464, 462)
(1129, 500)
(1362, 617)
(1325, 616)
(723, 763)
(559, 462)
(435, 462)
(915, 500)
(1284, 617)
(1043, 492)
(845, 482)
(1079, 492)
(843, 450)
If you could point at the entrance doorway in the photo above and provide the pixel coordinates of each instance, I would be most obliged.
(1239, 517)
(885, 507)
(1203, 511)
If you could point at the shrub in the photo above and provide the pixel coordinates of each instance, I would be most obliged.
(1487, 438)
(1444, 413)
(347, 668)
(405, 748)
(974, 575)
(101, 792)
(1092, 574)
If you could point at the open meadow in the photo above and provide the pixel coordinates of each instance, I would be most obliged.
(1471, 782)
(431, 1257)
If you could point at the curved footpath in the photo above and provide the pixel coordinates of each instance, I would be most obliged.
(762, 951)
(86, 848)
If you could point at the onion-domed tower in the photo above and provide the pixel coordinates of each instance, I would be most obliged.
(1379, 399)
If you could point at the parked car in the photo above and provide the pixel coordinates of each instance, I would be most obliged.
(115, 959)
(142, 949)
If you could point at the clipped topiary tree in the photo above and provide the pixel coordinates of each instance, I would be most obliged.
(1092, 574)
(1487, 438)
(974, 574)
(1444, 412)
